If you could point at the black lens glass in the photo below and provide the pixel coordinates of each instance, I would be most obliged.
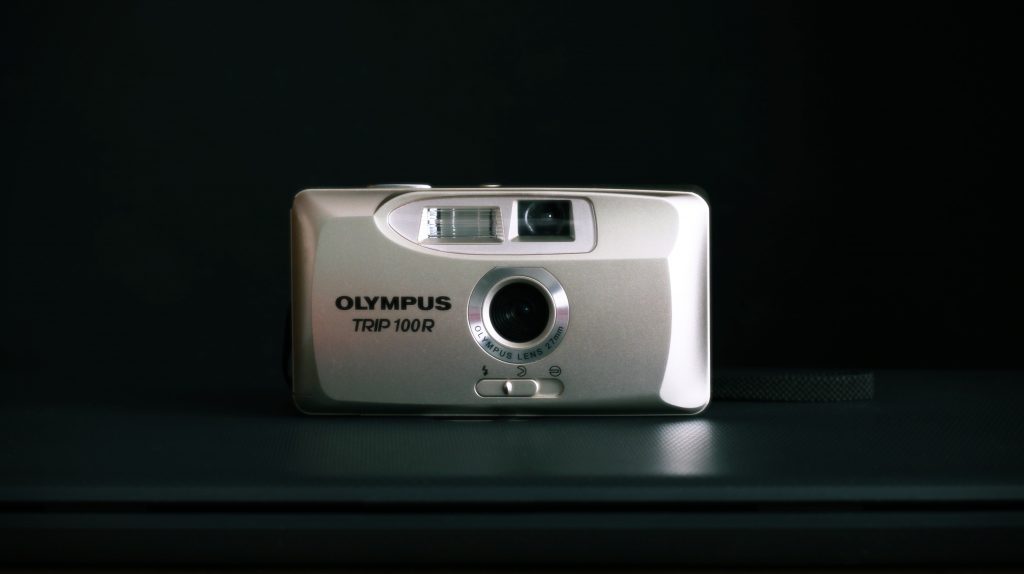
(519, 312)
(549, 219)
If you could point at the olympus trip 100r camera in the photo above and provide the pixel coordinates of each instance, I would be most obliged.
(518, 301)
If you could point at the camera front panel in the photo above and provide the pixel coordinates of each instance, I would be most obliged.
(428, 310)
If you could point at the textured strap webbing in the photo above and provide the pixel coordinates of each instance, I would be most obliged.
(791, 386)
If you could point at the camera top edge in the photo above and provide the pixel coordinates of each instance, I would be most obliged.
(400, 188)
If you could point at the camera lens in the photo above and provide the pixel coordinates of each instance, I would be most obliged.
(518, 315)
(547, 218)
(520, 312)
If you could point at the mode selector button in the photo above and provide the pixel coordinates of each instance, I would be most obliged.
(507, 387)
(403, 185)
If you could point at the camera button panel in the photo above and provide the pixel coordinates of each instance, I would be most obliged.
(521, 388)
(507, 387)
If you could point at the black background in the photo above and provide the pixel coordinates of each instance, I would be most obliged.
(858, 159)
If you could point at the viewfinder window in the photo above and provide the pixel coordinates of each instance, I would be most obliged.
(545, 220)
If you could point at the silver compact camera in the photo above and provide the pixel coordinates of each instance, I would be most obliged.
(492, 300)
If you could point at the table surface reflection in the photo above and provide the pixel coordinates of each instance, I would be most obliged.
(952, 436)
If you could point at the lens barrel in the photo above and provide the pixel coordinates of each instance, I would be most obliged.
(520, 312)
(518, 315)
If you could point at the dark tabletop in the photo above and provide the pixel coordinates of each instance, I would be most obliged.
(947, 442)
(949, 436)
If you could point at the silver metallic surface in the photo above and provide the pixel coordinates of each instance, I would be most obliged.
(639, 341)
(498, 347)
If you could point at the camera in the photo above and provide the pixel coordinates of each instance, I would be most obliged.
(408, 299)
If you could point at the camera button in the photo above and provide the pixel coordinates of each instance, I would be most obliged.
(403, 185)
(506, 387)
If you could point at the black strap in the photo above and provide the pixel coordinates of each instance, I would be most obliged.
(286, 355)
(791, 386)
